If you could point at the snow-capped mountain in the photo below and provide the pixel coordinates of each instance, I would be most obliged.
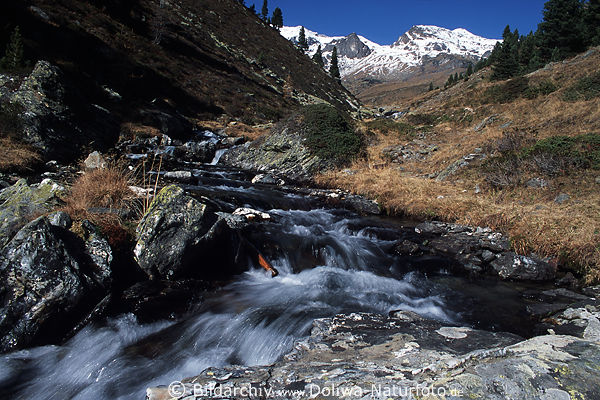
(422, 47)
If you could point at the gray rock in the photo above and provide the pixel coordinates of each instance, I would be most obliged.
(180, 176)
(45, 279)
(366, 356)
(60, 219)
(487, 255)
(485, 122)
(268, 179)
(561, 198)
(179, 238)
(20, 201)
(94, 161)
(282, 153)
(100, 253)
(598, 180)
(536, 183)
(198, 151)
(514, 266)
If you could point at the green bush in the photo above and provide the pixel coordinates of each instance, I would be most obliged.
(330, 134)
(543, 89)
(422, 119)
(387, 126)
(585, 88)
(507, 91)
(558, 154)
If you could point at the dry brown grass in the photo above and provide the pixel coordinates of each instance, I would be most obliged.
(101, 188)
(17, 157)
(239, 129)
(132, 130)
(568, 232)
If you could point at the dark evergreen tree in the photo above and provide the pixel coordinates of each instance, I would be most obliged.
(302, 43)
(277, 18)
(430, 86)
(334, 69)
(455, 79)
(506, 64)
(450, 81)
(13, 58)
(318, 57)
(264, 11)
(527, 48)
(562, 29)
(591, 21)
(470, 70)
(252, 8)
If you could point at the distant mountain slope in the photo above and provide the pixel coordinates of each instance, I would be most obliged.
(201, 58)
(421, 53)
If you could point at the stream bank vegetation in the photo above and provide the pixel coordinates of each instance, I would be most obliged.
(523, 156)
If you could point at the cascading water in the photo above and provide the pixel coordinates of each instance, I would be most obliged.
(330, 261)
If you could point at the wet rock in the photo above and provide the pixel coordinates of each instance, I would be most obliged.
(268, 179)
(179, 176)
(21, 201)
(167, 120)
(100, 253)
(179, 238)
(50, 278)
(517, 267)
(94, 161)
(60, 219)
(479, 250)
(197, 151)
(367, 356)
(252, 215)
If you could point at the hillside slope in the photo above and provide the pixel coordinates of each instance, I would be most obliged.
(198, 58)
(521, 156)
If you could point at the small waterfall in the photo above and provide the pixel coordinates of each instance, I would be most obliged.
(218, 155)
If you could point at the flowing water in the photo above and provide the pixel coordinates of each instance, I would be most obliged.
(330, 261)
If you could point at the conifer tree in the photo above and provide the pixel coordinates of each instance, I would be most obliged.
(430, 86)
(252, 8)
(591, 21)
(13, 58)
(265, 11)
(334, 69)
(318, 57)
(527, 49)
(277, 18)
(455, 79)
(470, 70)
(561, 29)
(506, 64)
(302, 43)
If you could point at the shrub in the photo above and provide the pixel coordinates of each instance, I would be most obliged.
(17, 157)
(387, 126)
(422, 119)
(558, 154)
(330, 134)
(507, 91)
(544, 88)
(585, 88)
(503, 171)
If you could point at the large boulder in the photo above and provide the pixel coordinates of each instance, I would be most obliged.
(282, 153)
(21, 201)
(50, 278)
(56, 119)
(179, 237)
(367, 356)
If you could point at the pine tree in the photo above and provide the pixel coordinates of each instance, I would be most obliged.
(527, 48)
(252, 8)
(318, 57)
(265, 11)
(277, 18)
(591, 22)
(561, 29)
(302, 43)
(430, 86)
(334, 69)
(13, 58)
(470, 70)
(506, 64)
(455, 79)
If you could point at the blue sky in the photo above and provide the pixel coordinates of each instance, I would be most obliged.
(383, 21)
